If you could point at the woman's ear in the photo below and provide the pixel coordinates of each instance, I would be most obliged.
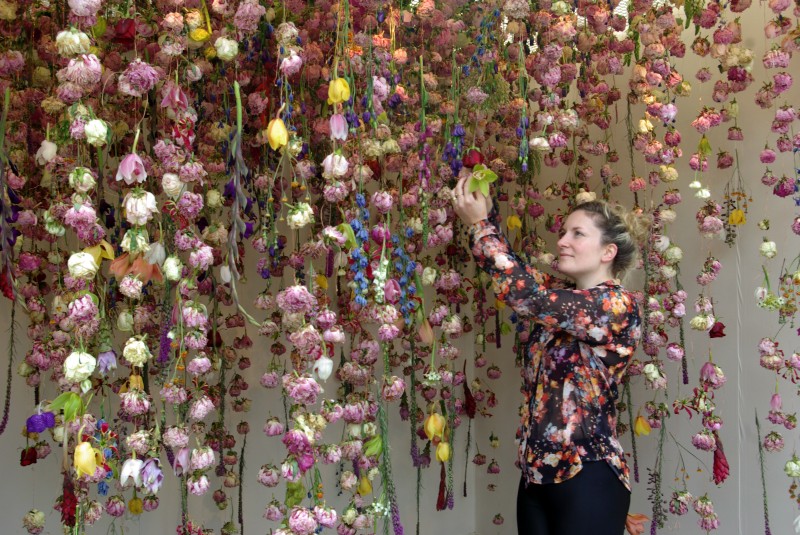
(609, 252)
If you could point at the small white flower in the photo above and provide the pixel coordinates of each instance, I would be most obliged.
(172, 268)
(213, 198)
(78, 366)
(131, 469)
(429, 276)
(768, 249)
(82, 266)
(47, 151)
(71, 42)
(300, 216)
(81, 180)
(172, 185)
(323, 367)
(539, 143)
(227, 49)
(136, 352)
(96, 132)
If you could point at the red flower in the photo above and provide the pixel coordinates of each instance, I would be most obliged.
(721, 468)
(28, 456)
(469, 400)
(69, 502)
(5, 285)
(472, 158)
(717, 331)
(125, 32)
(441, 499)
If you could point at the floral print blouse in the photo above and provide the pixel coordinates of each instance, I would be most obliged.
(578, 350)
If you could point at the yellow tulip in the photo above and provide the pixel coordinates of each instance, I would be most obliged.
(100, 251)
(737, 217)
(277, 135)
(135, 382)
(199, 34)
(364, 486)
(85, 459)
(135, 506)
(434, 425)
(513, 222)
(499, 305)
(338, 91)
(322, 281)
(641, 426)
(210, 52)
(443, 452)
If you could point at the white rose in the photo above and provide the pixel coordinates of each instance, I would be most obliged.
(136, 352)
(96, 131)
(539, 143)
(71, 42)
(768, 249)
(668, 173)
(24, 369)
(428, 276)
(661, 243)
(8, 10)
(172, 268)
(213, 198)
(172, 185)
(546, 258)
(156, 254)
(81, 180)
(227, 49)
(334, 166)
(46, 153)
(140, 206)
(125, 321)
(668, 216)
(673, 254)
(135, 241)
(585, 196)
(323, 368)
(82, 266)
(79, 366)
(300, 216)
(651, 371)
(703, 322)
(792, 467)
(668, 272)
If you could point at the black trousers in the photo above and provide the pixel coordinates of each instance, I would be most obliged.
(594, 502)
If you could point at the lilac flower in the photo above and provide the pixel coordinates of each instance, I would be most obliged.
(152, 476)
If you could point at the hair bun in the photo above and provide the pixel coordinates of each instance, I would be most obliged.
(638, 224)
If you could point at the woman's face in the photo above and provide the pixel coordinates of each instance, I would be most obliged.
(581, 252)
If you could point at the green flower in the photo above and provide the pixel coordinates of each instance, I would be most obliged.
(482, 176)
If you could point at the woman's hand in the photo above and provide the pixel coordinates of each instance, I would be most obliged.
(470, 207)
(634, 524)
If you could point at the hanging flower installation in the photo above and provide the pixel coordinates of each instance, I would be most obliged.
(157, 159)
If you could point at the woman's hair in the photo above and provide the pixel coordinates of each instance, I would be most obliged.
(625, 229)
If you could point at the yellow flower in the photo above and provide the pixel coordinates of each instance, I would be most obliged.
(434, 425)
(499, 305)
(513, 222)
(85, 459)
(277, 135)
(338, 91)
(199, 34)
(364, 486)
(135, 506)
(443, 452)
(100, 251)
(322, 281)
(641, 426)
(737, 217)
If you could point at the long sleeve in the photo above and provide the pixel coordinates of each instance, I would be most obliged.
(602, 315)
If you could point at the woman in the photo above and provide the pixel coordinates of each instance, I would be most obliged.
(574, 476)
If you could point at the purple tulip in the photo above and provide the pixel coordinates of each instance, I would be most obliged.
(152, 476)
